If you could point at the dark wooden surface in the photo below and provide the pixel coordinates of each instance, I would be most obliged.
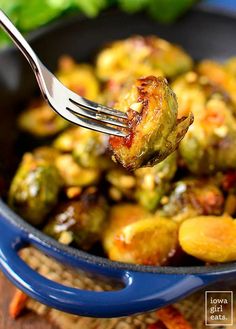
(27, 321)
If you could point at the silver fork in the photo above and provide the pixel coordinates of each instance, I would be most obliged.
(63, 101)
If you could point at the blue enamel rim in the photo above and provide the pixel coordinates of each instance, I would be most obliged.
(145, 288)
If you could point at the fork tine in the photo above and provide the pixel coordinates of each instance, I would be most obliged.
(92, 125)
(95, 115)
(97, 107)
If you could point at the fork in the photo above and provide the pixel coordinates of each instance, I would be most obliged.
(62, 100)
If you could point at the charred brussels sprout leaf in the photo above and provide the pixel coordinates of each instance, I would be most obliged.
(209, 238)
(34, 189)
(80, 221)
(155, 129)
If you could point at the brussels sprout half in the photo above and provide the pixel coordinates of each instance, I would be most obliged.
(193, 197)
(79, 221)
(34, 189)
(155, 129)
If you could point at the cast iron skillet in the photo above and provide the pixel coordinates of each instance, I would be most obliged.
(203, 35)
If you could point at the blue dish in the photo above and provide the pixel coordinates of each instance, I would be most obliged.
(204, 35)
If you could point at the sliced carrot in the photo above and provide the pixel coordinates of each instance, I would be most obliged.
(172, 318)
(17, 304)
(157, 325)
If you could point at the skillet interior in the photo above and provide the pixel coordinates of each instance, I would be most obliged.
(202, 34)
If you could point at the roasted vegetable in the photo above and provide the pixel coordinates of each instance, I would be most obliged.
(220, 77)
(120, 216)
(172, 318)
(191, 93)
(47, 153)
(155, 129)
(78, 77)
(193, 197)
(133, 236)
(88, 147)
(90, 151)
(34, 189)
(18, 303)
(79, 221)
(122, 184)
(210, 144)
(150, 241)
(230, 66)
(74, 175)
(141, 56)
(209, 238)
(153, 182)
(41, 121)
(123, 61)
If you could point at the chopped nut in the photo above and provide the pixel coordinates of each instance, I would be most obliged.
(73, 192)
(137, 107)
(221, 131)
(66, 237)
(164, 200)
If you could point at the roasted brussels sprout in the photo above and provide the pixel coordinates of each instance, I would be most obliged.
(209, 238)
(34, 189)
(74, 175)
(146, 240)
(88, 147)
(193, 197)
(153, 182)
(140, 56)
(210, 143)
(41, 121)
(67, 141)
(79, 221)
(122, 184)
(230, 66)
(124, 61)
(47, 153)
(120, 216)
(78, 77)
(191, 93)
(221, 77)
(155, 129)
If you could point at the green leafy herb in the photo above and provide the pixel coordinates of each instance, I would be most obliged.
(29, 15)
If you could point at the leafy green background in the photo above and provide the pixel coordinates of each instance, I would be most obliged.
(27, 15)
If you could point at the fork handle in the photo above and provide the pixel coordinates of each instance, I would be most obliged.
(19, 40)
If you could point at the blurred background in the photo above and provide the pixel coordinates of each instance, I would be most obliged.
(29, 15)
